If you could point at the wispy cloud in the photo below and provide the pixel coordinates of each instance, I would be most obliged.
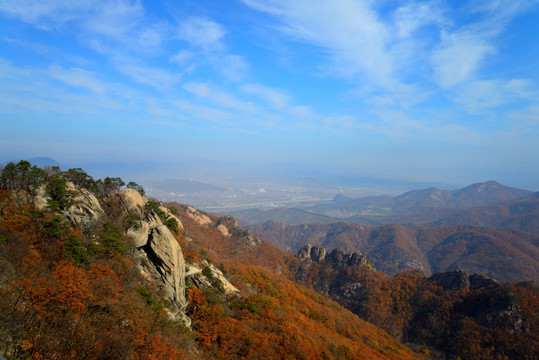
(114, 19)
(206, 41)
(276, 98)
(459, 57)
(202, 33)
(158, 78)
(462, 50)
(45, 14)
(380, 49)
(412, 16)
(220, 98)
(477, 96)
(232, 67)
(206, 113)
(77, 78)
(350, 32)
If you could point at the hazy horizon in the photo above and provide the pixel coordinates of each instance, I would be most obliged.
(419, 92)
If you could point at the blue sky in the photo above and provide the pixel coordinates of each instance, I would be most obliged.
(417, 90)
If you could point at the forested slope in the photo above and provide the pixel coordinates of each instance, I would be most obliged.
(77, 282)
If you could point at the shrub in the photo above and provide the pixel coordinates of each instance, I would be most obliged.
(73, 250)
(59, 195)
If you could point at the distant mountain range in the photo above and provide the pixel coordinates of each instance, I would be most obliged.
(418, 206)
(483, 228)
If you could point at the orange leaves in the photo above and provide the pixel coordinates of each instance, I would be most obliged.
(196, 297)
(70, 289)
(155, 347)
(65, 289)
(282, 320)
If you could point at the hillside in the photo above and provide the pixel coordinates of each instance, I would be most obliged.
(448, 315)
(503, 254)
(91, 269)
(521, 215)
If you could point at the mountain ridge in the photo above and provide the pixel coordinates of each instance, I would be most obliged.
(504, 254)
(384, 209)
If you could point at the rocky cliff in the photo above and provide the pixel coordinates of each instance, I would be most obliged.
(159, 255)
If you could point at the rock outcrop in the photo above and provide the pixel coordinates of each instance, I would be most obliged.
(223, 229)
(456, 279)
(166, 255)
(338, 258)
(159, 254)
(315, 253)
(341, 259)
(478, 281)
(198, 215)
(132, 201)
(201, 279)
(460, 280)
(85, 211)
(141, 230)
(170, 215)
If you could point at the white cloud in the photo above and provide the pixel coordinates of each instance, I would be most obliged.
(210, 114)
(276, 98)
(78, 78)
(205, 38)
(202, 33)
(114, 19)
(459, 57)
(414, 15)
(477, 96)
(232, 67)
(182, 57)
(152, 36)
(110, 18)
(45, 13)
(212, 94)
(27, 90)
(158, 78)
(502, 9)
(397, 52)
(350, 32)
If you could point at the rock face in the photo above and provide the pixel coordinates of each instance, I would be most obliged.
(132, 201)
(223, 229)
(341, 259)
(311, 252)
(338, 258)
(170, 215)
(198, 216)
(201, 280)
(160, 256)
(478, 281)
(140, 232)
(166, 255)
(86, 210)
(225, 223)
(456, 279)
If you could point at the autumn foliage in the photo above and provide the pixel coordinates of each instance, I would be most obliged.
(53, 306)
(72, 293)
(497, 321)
